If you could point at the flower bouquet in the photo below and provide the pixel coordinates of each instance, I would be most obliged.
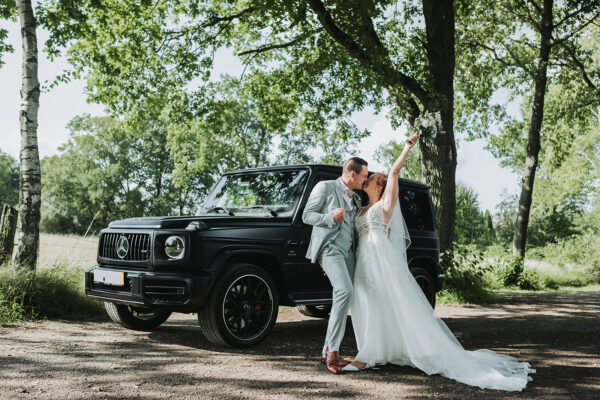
(428, 125)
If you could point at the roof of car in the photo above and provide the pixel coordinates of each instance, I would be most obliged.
(323, 167)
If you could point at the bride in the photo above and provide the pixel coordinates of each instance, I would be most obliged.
(392, 319)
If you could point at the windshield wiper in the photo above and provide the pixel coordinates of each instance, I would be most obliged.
(217, 208)
(273, 213)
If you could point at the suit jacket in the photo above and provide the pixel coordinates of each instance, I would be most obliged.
(322, 202)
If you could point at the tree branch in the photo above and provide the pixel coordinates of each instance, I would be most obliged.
(355, 51)
(536, 6)
(336, 33)
(558, 42)
(273, 46)
(495, 55)
(579, 65)
(571, 15)
(216, 19)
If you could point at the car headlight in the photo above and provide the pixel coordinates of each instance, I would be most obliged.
(174, 247)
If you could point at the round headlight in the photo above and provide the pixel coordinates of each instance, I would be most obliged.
(174, 247)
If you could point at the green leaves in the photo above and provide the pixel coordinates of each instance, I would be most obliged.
(9, 180)
(111, 169)
(7, 11)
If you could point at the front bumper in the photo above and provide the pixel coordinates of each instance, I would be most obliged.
(169, 291)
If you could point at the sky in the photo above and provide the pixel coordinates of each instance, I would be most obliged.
(476, 168)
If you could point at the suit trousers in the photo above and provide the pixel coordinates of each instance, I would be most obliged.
(339, 267)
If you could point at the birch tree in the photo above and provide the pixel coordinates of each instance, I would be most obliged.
(30, 176)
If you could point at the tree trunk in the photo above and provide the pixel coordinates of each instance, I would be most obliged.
(439, 158)
(30, 185)
(8, 227)
(533, 140)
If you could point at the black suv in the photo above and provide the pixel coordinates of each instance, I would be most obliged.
(240, 259)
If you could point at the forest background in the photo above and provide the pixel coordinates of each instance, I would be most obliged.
(165, 123)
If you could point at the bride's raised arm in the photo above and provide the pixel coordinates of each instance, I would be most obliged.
(390, 194)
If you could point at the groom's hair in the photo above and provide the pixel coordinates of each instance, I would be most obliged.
(354, 164)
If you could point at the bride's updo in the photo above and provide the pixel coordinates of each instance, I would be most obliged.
(381, 180)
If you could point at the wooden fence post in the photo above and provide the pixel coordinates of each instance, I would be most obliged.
(8, 227)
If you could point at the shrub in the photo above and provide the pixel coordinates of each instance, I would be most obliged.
(55, 292)
(530, 279)
(509, 269)
(464, 269)
(582, 250)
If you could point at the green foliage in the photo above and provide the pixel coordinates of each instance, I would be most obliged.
(581, 250)
(111, 169)
(55, 292)
(465, 272)
(571, 262)
(387, 154)
(547, 223)
(509, 269)
(8, 11)
(9, 180)
(472, 226)
(245, 124)
(530, 279)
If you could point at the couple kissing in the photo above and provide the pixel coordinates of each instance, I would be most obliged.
(362, 250)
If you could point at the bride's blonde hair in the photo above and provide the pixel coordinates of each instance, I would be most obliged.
(381, 180)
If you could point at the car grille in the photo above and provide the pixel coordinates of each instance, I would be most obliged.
(139, 246)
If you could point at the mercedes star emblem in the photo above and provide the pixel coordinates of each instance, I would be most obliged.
(122, 247)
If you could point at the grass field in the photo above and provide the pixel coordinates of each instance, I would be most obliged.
(67, 249)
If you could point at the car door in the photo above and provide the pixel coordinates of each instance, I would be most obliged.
(310, 275)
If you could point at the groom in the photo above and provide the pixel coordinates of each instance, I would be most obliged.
(331, 209)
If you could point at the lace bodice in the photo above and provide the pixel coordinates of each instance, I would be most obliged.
(372, 221)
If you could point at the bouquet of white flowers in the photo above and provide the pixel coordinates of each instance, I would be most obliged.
(428, 125)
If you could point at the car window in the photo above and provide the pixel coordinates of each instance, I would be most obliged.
(416, 209)
(257, 193)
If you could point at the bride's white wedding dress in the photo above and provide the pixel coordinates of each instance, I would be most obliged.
(393, 321)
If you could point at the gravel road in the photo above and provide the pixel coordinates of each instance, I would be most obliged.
(559, 334)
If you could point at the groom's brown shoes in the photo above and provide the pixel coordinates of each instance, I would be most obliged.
(333, 362)
(343, 362)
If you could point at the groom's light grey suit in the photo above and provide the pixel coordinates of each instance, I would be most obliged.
(333, 245)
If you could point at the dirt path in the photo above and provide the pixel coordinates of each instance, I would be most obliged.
(558, 334)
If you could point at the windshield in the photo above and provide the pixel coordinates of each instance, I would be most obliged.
(267, 193)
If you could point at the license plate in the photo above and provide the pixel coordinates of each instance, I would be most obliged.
(115, 278)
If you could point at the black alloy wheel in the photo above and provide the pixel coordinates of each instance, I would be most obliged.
(247, 307)
(425, 282)
(137, 318)
(242, 307)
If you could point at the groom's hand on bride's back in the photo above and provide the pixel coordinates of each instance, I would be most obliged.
(339, 214)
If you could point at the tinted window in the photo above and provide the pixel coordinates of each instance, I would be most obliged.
(416, 209)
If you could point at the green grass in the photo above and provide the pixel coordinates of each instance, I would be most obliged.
(450, 296)
(52, 292)
(476, 277)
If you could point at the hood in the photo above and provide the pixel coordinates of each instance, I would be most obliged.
(154, 222)
(197, 222)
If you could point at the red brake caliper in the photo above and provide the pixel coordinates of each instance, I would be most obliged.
(256, 307)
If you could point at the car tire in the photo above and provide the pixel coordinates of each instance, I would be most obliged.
(425, 282)
(242, 307)
(318, 311)
(136, 318)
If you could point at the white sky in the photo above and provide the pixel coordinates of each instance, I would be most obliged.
(476, 166)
